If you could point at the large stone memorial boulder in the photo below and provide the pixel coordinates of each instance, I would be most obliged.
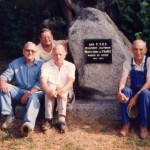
(98, 81)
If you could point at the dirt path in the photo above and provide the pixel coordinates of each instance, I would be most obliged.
(81, 136)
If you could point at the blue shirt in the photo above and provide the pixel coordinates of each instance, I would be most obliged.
(26, 77)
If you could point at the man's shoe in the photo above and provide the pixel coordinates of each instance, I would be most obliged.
(25, 129)
(8, 122)
(63, 127)
(143, 132)
(125, 129)
(47, 124)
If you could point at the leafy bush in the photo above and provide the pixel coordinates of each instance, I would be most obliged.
(22, 20)
(133, 18)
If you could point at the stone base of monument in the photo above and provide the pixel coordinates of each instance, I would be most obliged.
(96, 110)
(90, 110)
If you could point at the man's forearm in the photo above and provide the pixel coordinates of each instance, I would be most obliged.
(68, 85)
(144, 87)
(121, 85)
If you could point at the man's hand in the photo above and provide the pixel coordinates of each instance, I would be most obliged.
(52, 94)
(60, 92)
(4, 87)
(133, 101)
(122, 98)
(25, 98)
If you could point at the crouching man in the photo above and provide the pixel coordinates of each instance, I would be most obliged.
(27, 91)
(57, 77)
(138, 69)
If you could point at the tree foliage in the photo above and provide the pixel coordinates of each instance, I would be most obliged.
(22, 20)
(133, 18)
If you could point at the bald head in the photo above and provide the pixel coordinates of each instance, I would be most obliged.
(59, 54)
(139, 50)
(30, 45)
(60, 46)
(139, 42)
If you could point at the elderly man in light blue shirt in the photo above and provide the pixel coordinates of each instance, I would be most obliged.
(27, 91)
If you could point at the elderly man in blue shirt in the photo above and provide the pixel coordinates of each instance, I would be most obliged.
(27, 90)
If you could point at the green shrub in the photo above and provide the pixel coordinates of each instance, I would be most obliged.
(133, 18)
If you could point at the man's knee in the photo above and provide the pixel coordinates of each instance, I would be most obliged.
(144, 93)
(126, 90)
(34, 100)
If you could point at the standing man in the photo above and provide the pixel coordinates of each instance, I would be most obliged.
(27, 91)
(138, 69)
(57, 79)
(46, 45)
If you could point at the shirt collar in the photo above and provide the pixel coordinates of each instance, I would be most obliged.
(134, 63)
(53, 64)
(35, 61)
(43, 51)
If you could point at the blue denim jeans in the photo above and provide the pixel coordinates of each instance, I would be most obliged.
(14, 95)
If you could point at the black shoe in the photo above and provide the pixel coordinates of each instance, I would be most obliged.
(63, 127)
(47, 124)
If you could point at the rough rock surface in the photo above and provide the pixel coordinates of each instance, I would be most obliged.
(97, 81)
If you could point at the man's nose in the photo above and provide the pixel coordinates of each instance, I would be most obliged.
(30, 52)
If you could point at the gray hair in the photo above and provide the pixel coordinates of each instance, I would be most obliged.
(62, 46)
(140, 40)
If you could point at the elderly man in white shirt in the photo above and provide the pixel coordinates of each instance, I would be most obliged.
(57, 79)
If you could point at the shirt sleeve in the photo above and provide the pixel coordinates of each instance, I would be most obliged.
(9, 73)
(126, 69)
(148, 70)
(37, 85)
(71, 73)
(44, 71)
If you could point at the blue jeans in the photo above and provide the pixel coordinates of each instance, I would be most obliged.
(143, 104)
(14, 95)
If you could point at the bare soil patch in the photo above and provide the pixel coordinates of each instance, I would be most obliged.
(81, 136)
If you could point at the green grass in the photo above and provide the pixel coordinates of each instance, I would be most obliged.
(136, 142)
(70, 146)
(6, 136)
(105, 129)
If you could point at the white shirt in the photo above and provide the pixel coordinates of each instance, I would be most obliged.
(42, 54)
(127, 68)
(55, 77)
(46, 56)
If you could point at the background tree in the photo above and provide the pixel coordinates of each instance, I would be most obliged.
(21, 20)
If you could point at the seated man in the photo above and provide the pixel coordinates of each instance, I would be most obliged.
(44, 52)
(57, 77)
(27, 91)
(138, 69)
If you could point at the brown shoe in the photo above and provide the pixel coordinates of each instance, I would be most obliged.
(8, 122)
(63, 127)
(47, 124)
(125, 129)
(143, 132)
